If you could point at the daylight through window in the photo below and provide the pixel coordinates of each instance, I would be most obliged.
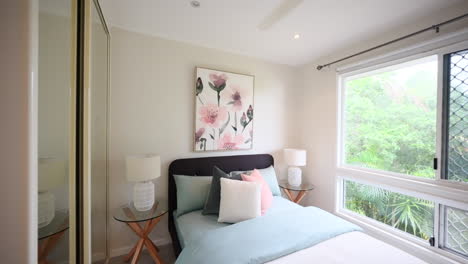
(403, 152)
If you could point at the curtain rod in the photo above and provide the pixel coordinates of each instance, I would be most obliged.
(433, 27)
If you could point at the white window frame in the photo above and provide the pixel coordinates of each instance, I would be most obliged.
(439, 191)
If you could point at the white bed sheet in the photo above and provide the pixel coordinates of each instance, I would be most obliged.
(350, 248)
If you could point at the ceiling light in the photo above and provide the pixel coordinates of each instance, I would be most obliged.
(297, 36)
(195, 4)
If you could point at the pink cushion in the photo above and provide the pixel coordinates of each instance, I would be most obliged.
(267, 196)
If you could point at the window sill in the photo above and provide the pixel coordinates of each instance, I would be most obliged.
(413, 246)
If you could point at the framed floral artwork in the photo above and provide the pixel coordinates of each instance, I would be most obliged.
(224, 110)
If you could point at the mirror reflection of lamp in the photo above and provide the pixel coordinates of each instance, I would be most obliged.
(141, 169)
(52, 174)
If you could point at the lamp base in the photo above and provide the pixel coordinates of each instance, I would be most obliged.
(46, 208)
(294, 176)
(143, 195)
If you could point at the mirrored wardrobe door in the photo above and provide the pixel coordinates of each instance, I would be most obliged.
(99, 103)
(55, 129)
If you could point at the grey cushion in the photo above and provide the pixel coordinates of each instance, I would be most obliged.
(214, 195)
(268, 174)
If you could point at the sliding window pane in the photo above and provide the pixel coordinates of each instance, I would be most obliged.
(411, 215)
(457, 117)
(390, 118)
(456, 230)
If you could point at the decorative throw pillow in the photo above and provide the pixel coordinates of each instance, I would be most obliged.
(212, 202)
(268, 174)
(239, 201)
(191, 192)
(267, 197)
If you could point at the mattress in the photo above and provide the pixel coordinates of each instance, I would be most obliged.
(191, 225)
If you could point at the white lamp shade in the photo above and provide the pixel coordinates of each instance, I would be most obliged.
(143, 167)
(295, 157)
(52, 173)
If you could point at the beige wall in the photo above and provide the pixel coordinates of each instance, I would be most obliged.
(318, 124)
(152, 110)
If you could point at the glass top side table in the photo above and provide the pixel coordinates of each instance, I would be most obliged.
(128, 213)
(301, 189)
(50, 234)
(132, 217)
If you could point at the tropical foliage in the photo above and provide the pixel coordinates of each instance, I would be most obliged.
(390, 121)
(390, 125)
(409, 214)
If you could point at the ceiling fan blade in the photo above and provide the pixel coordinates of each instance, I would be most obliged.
(278, 13)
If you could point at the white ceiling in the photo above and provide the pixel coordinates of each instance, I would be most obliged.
(232, 25)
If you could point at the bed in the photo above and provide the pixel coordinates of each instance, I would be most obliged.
(192, 230)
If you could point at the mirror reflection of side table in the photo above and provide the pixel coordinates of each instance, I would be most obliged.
(50, 234)
(301, 190)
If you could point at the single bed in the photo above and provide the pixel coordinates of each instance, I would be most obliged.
(190, 228)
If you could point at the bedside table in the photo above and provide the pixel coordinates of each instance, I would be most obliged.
(51, 234)
(130, 216)
(301, 189)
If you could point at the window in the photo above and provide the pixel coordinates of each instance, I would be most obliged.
(456, 230)
(408, 214)
(456, 113)
(403, 148)
(390, 118)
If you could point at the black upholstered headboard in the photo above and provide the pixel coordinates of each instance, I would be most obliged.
(204, 167)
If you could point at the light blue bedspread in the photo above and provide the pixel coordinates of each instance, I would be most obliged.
(193, 225)
(265, 238)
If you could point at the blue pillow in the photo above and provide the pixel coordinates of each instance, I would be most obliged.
(191, 192)
(269, 175)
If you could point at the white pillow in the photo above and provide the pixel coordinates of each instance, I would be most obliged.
(240, 201)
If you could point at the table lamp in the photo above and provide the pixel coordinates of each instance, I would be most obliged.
(52, 174)
(295, 158)
(141, 169)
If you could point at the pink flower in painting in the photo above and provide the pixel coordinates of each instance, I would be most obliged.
(199, 134)
(218, 79)
(212, 115)
(227, 141)
(235, 96)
